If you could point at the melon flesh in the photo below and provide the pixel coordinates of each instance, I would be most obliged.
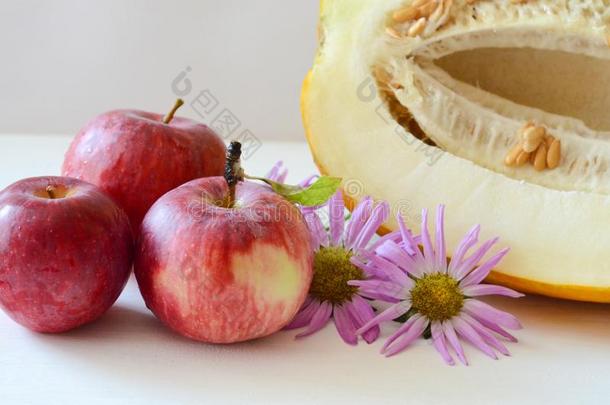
(456, 85)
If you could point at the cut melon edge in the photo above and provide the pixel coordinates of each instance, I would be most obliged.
(568, 292)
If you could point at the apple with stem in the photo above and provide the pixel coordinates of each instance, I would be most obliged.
(66, 252)
(223, 260)
(137, 156)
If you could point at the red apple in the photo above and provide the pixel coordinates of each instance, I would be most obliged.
(219, 274)
(137, 156)
(66, 252)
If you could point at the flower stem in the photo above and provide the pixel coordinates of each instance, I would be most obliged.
(170, 115)
(233, 171)
(51, 192)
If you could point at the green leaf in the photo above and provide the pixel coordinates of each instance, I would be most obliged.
(317, 193)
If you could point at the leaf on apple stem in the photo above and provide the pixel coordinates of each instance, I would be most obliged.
(316, 194)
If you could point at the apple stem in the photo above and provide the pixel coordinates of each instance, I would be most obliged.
(51, 192)
(170, 115)
(233, 171)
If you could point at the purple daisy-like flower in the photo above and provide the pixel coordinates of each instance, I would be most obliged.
(330, 295)
(435, 293)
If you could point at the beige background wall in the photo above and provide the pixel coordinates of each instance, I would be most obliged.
(64, 61)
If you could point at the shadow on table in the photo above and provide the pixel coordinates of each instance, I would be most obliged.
(121, 322)
(577, 319)
(131, 345)
(569, 319)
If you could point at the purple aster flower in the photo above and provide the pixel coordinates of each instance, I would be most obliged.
(437, 295)
(330, 296)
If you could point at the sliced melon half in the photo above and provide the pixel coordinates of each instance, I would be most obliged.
(424, 102)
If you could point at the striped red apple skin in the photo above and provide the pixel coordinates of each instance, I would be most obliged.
(224, 275)
(136, 157)
(64, 257)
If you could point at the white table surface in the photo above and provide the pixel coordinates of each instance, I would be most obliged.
(129, 357)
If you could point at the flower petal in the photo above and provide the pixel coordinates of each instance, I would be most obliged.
(485, 334)
(303, 317)
(378, 216)
(468, 333)
(405, 335)
(278, 172)
(362, 312)
(438, 339)
(273, 173)
(395, 254)
(468, 264)
(393, 236)
(344, 325)
(374, 268)
(449, 333)
(391, 271)
(497, 329)
(359, 217)
(481, 310)
(377, 296)
(384, 288)
(479, 274)
(368, 267)
(429, 255)
(469, 241)
(441, 250)
(308, 181)
(281, 176)
(490, 289)
(410, 244)
(389, 314)
(336, 211)
(319, 235)
(319, 319)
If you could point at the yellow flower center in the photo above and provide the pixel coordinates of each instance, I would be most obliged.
(332, 270)
(437, 297)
